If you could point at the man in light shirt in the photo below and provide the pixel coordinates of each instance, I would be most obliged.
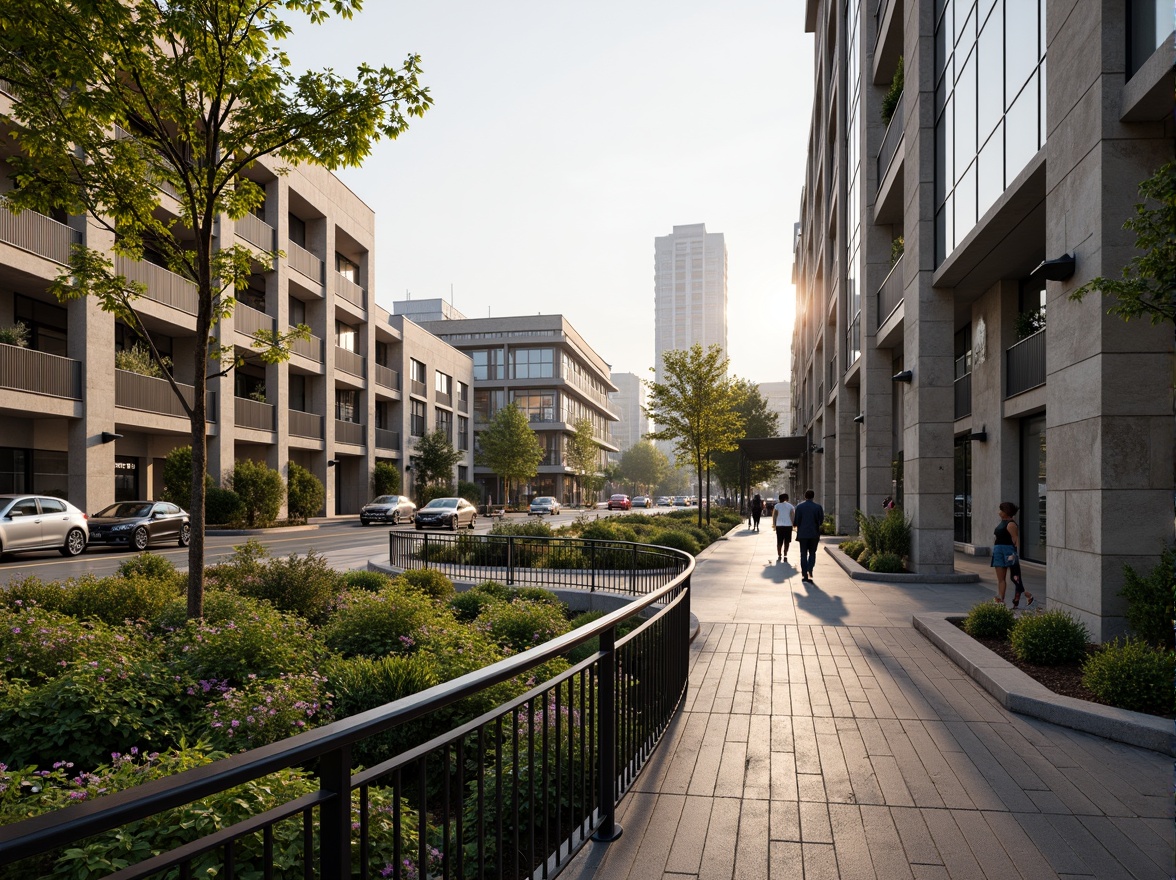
(782, 515)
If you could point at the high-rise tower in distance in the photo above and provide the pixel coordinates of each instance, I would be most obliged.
(690, 290)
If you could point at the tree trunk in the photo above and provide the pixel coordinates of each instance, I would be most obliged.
(199, 433)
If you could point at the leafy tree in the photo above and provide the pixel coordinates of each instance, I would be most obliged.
(305, 493)
(260, 489)
(645, 465)
(177, 477)
(1148, 286)
(509, 447)
(695, 407)
(385, 478)
(433, 465)
(115, 104)
(758, 421)
(583, 454)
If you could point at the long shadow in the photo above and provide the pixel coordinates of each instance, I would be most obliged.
(829, 609)
(778, 572)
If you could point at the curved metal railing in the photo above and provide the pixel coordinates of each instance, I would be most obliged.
(514, 792)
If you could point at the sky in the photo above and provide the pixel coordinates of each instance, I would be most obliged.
(565, 137)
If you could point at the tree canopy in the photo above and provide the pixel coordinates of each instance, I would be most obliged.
(645, 465)
(584, 455)
(509, 447)
(758, 421)
(148, 117)
(433, 463)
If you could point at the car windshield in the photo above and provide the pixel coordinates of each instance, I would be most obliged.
(385, 499)
(543, 501)
(442, 502)
(126, 509)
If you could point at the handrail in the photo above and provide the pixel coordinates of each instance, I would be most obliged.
(890, 141)
(652, 671)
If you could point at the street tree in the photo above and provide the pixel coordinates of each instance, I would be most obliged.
(583, 455)
(433, 463)
(117, 104)
(694, 408)
(758, 421)
(644, 465)
(509, 447)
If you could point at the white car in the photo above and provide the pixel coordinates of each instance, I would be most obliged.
(642, 501)
(544, 504)
(41, 522)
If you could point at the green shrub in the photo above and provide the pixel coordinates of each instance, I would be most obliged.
(851, 548)
(1049, 639)
(115, 600)
(1149, 600)
(988, 620)
(305, 493)
(429, 581)
(31, 590)
(890, 99)
(468, 605)
(38, 644)
(829, 525)
(587, 649)
(222, 507)
(385, 479)
(523, 624)
(564, 556)
(677, 540)
(16, 334)
(302, 585)
(262, 711)
(870, 529)
(1131, 674)
(260, 489)
(536, 594)
(392, 621)
(151, 565)
(247, 561)
(360, 579)
(531, 528)
(895, 533)
(887, 563)
(177, 480)
(864, 557)
(471, 492)
(498, 591)
(220, 606)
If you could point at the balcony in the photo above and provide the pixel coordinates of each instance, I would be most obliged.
(963, 396)
(162, 286)
(444, 399)
(890, 293)
(349, 432)
(305, 263)
(1025, 364)
(250, 321)
(386, 439)
(350, 362)
(311, 349)
(463, 404)
(38, 235)
(23, 369)
(249, 413)
(890, 142)
(350, 291)
(304, 424)
(149, 394)
(387, 378)
(853, 341)
(122, 134)
(418, 388)
(256, 231)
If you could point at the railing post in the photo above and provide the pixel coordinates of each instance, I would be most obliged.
(609, 830)
(335, 816)
(425, 551)
(509, 559)
(633, 571)
(392, 549)
(592, 564)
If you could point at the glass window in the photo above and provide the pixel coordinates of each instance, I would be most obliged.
(443, 383)
(1021, 131)
(463, 433)
(1032, 519)
(532, 363)
(990, 104)
(417, 371)
(347, 405)
(52, 505)
(990, 176)
(1021, 48)
(444, 422)
(965, 203)
(417, 418)
(963, 490)
(297, 231)
(346, 268)
(346, 336)
(965, 116)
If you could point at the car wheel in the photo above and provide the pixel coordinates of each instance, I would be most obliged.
(140, 539)
(419, 527)
(75, 543)
(185, 534)
(473, 522)
(396, 517)
(453, 523)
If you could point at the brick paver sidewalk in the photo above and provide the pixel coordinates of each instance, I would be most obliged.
(824, 737)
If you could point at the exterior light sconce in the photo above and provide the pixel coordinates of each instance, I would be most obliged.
(904, 376)
(110, 436)
(1058, 269)
(331, 462)
(980, 436)
(859, 418)
(818, 449)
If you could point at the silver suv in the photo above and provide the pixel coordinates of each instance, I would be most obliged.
(41, 522)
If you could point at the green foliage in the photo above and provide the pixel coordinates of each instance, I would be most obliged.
(38, 644)
(467, 605)
(498, 591)
(375, 624)
(679, 541)
(30, 591)
(644, 465)
(1149, 600)
(223, 506)
(1029, 322)
(246, 562)
(1149, 277)
(852, 548)
(429, 581)
(425, 494)
(306, 586)
(260, 489)
(117, 599)
(537, 594)
(989, 620)
(360, 579)
(433, 465)
(262, 711)
(471, 492)
(385, 479)
(583, 452)
(509, 447)
(531, 528)
(138, 359)
(305, 493)
(16, 334)
(758, 421)
(1131, 674)
(177, 480)
(887, 533)
(149, 565)
(829, 525)
(890, 99)
(1050, 638)
(897, 248)
(523, 624)
(887, 563)
(864, 557)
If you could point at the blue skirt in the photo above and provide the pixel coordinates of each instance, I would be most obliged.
(1003, 555)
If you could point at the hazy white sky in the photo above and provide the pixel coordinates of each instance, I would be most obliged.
(564, 138)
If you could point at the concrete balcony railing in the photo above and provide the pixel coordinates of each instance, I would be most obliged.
(305, 263)
(349, 432)
(463, 404)
(149, 394)
(304, 424)
(1025, 364)
(890, 142)
(256, 231)
(38, 234)
(350, 362)
(350, 291)
(386, 439)
(890, 293)
(253, 414)
(963, 396)
(23, 369)
(311, 349)
(387, 378)
(444, 399)
(250, 321)
(162, 286)
(418, 388)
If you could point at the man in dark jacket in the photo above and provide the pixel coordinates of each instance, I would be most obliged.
(808, 519)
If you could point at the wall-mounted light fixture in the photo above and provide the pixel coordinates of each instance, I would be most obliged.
(110, 436)
(980, 436)
(331, 462)
(1058, 269)
(818, 449)
(904, 376)
(859, 418)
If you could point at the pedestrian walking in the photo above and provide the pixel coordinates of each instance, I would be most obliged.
(1005, 557)
(757, 510)
(808, 519)
(782, 515)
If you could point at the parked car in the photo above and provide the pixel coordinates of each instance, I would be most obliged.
(41, 522)
(665, 501)
(137, 524)
(446, 513)
(620, 502)
(681, 501)
(393, 509)
(642, 501)
(544, 504)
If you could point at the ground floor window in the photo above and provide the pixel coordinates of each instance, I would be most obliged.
(126, 478)
(963, 490)
(1032, 518)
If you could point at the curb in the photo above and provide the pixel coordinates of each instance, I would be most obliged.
(280, 530)
(1018, 692)
(858, 573)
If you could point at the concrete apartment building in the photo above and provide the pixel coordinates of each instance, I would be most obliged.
(690, 291)
(357, 392)
(923, 363)
(540, 363)
(628, 402)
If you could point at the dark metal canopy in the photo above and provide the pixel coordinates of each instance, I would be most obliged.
(772, 448)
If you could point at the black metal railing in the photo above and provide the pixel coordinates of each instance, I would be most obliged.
(1025, 364)
(512, 793)
(963, 396)
(890, 142)
(890, 294)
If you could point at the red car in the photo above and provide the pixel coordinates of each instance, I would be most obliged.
(620, 502)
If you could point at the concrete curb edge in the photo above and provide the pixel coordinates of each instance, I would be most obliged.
(858, 573)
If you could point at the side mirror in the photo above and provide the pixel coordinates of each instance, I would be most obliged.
(15, 513)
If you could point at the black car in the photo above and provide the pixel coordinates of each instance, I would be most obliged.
(138, 523)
